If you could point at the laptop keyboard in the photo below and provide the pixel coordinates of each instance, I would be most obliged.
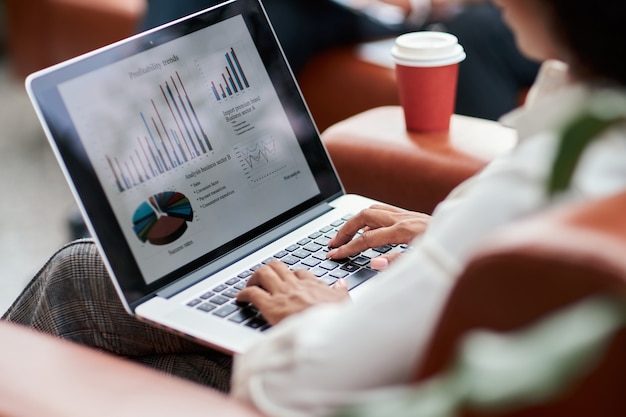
(308, 253)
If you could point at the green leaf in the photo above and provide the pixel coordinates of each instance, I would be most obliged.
(574, 139)
(606, 109)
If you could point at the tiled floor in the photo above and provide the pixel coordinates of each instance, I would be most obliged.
(35, 201)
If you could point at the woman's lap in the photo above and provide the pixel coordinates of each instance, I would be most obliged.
(72, 297)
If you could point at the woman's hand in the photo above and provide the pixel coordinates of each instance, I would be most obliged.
(380, 225)
(277, 292)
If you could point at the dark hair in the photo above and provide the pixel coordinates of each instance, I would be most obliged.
(592, 32)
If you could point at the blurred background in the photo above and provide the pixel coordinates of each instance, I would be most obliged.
(35, 202)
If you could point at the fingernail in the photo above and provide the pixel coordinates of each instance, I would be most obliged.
(379, 263)
(342, 282)
(331, 253)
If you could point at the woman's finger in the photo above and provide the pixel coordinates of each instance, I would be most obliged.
(270, 277)
(371, 218)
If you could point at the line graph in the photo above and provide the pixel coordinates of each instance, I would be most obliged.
(260, 159)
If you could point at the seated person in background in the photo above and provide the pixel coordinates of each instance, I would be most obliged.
(495, 74)
(325, 351)
(490, 79)
(303, 27)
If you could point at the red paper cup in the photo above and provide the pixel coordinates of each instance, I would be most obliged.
(427, 96)
(427, 68)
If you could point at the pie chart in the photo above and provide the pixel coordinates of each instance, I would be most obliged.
(162, 218)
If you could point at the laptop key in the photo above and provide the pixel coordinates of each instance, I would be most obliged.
(304, 241)
(310, 262)
(245, 274)
(281, 254)
(301, 253)
(383, 249)
(318, 272)
(370, 253)
(230, 293)
(299, 267)
(359, 277)
(360, 260)
(350, 267)
(321, 255)
(219, 299)
(206, 307)
(313, 247)
(290, 260)
(257, 323)
(329, 265)
(226, 311)
(242, 315)
(328, 280)
(322, 240)
(194, 302)
(339, 273)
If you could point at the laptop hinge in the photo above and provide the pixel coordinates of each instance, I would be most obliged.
(245, 250)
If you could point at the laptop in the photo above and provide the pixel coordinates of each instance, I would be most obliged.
(194, 160)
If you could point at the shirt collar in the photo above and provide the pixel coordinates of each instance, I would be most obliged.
(552, 101)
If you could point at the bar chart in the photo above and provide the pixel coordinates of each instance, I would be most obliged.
(232, 80)
(173, 135)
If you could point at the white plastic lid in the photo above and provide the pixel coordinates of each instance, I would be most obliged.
(427, 49)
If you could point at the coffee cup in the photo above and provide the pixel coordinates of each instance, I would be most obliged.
(427, 65)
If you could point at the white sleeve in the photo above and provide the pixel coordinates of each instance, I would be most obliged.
(328, 356)
(318, 361)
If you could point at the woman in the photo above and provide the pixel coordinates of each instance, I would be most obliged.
(325, 351)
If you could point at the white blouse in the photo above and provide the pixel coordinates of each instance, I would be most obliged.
(332, 355)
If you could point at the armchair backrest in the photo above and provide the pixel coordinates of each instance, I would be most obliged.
(531, 269)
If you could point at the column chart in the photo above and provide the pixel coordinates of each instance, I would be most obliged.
(232, 80)
(173, 136)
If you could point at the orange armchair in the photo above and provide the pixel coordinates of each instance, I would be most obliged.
(534, 268)
(41, 33)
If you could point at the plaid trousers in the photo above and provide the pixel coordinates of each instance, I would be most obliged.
(72, 297)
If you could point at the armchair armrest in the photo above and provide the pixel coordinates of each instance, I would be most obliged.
(533, 268)
(44, 376)
(375, 156)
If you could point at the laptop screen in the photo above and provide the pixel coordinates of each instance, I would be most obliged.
(185, 142)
